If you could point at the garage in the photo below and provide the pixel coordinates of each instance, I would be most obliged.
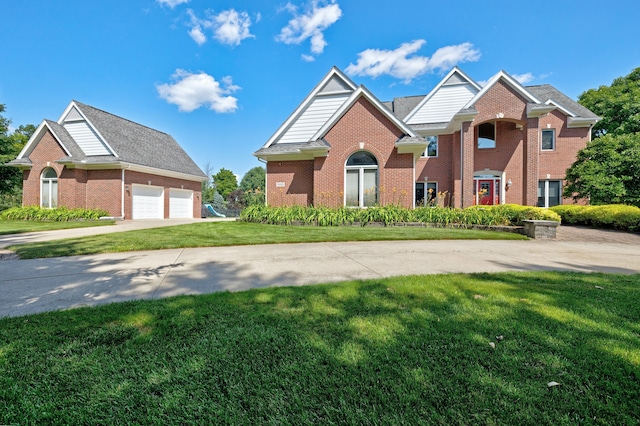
(148, 202)
(180, 204)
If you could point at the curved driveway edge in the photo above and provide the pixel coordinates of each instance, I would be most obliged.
(31, 286)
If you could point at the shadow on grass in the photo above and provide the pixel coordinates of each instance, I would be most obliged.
(410, 350)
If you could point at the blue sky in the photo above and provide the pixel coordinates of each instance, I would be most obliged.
(221, 76)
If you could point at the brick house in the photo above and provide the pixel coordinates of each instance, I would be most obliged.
(93, 159)
(461, 144)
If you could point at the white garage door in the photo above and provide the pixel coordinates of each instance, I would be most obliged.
(180, 204)
(148, 202)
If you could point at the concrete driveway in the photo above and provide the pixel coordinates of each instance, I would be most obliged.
(31, 286)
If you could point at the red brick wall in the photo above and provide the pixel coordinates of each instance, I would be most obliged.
(440, 169)
(290, 183)
(93, 189)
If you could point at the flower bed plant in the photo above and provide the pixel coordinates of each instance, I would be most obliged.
(501, 215)
(59, 214)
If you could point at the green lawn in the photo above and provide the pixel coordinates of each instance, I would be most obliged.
(407, 350)
(212, 234)
(21, 226)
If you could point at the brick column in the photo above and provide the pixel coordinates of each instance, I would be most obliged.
(468, 141)
(532, 162)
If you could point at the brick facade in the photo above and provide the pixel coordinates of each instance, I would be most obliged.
(95, 189)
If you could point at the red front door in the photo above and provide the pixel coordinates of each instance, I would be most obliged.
(488, 192)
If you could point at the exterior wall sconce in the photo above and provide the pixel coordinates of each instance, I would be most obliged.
(500, 115)
(509, 183)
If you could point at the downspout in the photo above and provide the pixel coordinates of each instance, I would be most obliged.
(461, 165)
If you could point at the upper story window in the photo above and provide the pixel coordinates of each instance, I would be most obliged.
(548, 140)
(487, 135)
(432, 148)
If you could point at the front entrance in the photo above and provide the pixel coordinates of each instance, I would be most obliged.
(487, 191)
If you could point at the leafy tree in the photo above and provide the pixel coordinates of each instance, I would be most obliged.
(10, 146)
(607, 171)
(253, 179)
(225, 182)
(618, 105)
(208, 188)
(235, 199)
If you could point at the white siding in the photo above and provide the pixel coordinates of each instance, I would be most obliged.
(313, 118)
(86, 138)
(444, 104)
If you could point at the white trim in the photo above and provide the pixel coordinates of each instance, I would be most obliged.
(560, 107)
(102, 138)
(38, 136)
(427, 148)
(501, 75)
(486, 175)
(310, 97)
(133, 167)
(360, 170)
(554, 140)
(437, 88)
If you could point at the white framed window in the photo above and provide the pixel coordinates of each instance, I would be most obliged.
(487, 135)
(361, 180)
(548, 140)
(49, 188)
(549, 193)
(426, 194)
(432, 148)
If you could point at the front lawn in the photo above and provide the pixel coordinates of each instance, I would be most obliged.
(214, 234)
(406, 350)
(22, 226)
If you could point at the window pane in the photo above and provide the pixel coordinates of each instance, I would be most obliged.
(362, 158)
(432, 148)
(54, 193)
(540, 194)
(554, 193)
(370, 187)
(487, 135)
(352, 199)
(49, 173)
(548, 139)
(420, 194)
(432, 192)
(44, 196)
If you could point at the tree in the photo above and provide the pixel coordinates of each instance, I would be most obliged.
(235, 200)
(10, 146)
(253, 179)
(208, 188)
(607, 171)
(618, 105)
(225, 182)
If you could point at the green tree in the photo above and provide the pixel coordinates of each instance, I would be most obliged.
(11, 143)
(225, 182)
(253, 179)
(618, 105)
(208, 187)
(607, 171)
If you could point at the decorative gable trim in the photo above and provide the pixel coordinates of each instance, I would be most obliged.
(86, 135)
(37, 136)
(335, 84)
(454, 77)
(512, 82)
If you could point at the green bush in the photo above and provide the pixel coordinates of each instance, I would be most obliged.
(614, 216)
(59, 214)
(501, 215)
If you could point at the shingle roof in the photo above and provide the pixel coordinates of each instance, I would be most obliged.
(545, 92)
(138, 144)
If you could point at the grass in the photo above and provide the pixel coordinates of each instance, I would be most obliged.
(407, 350)
(22, 226)
(214, 234)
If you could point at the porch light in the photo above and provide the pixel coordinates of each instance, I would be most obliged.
(509, 183)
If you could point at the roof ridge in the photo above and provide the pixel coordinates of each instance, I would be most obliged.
(120, 118)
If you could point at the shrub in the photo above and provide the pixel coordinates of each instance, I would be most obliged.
(614, 216)
(59, 214)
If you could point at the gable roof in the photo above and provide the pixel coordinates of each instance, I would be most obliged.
(92, 137)
(300, 136)
(512, 82)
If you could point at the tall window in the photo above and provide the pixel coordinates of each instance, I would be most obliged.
(426, 194)
(49, 188)
(487, 135)
(361, 180)
(548, 140)
(432, 148)
(549, 193)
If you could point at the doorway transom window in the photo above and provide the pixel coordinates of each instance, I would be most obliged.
(361, 180)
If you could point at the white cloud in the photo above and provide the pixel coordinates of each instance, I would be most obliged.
(401, 64)
(228, 27)
(308, 58)
(171, 3)
(523, 78)
(310, 25)
(192, 91)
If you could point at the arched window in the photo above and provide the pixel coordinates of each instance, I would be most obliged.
(361, 180)
(49, 188)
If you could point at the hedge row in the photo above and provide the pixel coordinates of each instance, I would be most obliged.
(501, 215)
(60, 214)
(613, 216)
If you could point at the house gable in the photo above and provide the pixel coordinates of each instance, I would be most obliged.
(89, 140)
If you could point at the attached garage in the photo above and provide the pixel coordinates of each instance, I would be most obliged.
(180, 204)
(148, 202)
